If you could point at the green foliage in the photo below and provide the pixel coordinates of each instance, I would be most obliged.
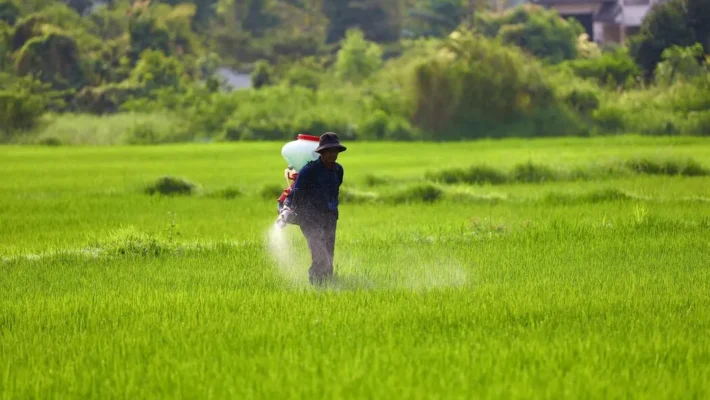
(271, 192)
(207, 64)
(154, 69)
(680, 64)
(378, 125)
(436, 17)
(303, 76)
(586, 48)
(474, 175)
(279, 112)
(531, 172)
(80, 6)
(145, 34)
(681, 109)
(80, 129)
(160, 57)
(357, 58)
(108, 98)
(535, 29)
(171, 186)
(615, 66)
(53, 58)
(582, 97)
(667, 24)
(687, 167)
(228, 193)
(588, 285)
(5, 46)
(424, 192)
(698, 12)
(473, 87)
(380, 21)
(9, 12)
(263, 75)
(23, 100)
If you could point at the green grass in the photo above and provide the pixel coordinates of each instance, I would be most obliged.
(116, 129)
(564, 289)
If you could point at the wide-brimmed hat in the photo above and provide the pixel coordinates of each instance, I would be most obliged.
(329, 140)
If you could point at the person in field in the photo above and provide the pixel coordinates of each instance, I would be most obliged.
(314, 198)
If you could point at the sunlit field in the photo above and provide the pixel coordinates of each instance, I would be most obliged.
(555, 268)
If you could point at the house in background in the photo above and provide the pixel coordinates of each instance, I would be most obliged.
(604, 20)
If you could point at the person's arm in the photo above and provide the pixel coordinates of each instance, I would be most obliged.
(301, 185)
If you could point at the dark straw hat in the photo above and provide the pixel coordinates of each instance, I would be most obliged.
(329, 140)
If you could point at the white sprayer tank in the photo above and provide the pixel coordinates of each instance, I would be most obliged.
(301, 151)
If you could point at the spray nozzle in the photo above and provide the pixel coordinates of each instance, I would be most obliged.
(286, 216)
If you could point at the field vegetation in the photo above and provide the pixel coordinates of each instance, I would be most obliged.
(153, 71)
(152, 271)
(525, 213)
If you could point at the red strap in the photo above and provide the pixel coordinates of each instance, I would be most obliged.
(285, 194)
(292, 177)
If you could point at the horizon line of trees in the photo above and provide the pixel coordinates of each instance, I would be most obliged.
(524, 71)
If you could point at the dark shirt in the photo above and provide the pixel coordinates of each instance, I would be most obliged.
(317, 188)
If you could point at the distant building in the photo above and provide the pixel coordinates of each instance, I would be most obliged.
(233, 79)
(604, 20)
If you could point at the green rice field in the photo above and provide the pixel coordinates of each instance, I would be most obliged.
(512, 269)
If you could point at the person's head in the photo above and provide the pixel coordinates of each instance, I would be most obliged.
(330, 155)
(329, 147)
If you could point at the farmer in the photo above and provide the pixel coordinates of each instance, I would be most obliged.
(315, 199)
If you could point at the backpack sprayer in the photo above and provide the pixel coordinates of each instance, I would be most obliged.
(297, 154)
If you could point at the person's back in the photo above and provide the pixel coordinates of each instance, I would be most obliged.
(317, 189)
(315, 199)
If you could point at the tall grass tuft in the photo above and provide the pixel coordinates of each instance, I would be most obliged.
(423, 192)
(171, 186)
(686, 167)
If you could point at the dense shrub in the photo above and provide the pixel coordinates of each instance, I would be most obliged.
(616, 66)
(530, 172)
(671, 23)
(357, 58)
(476, 174)
(171, 186)
(263, 75)
(679, 109)
(378, 125)
(680, 64)
(114, 129)
(52, 58)
(304, 77)
(687, 167)
(9, 13)
(582, 98)
(609, 118)
(108, 98)
(22, 103)
(424, 192)
(535, 29)
(154, 70)
(594, 196)
(474, 87)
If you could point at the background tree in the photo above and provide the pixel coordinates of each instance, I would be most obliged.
(357, 58)
(535, 29)
(669, 24)
(380, 21)
(9, 12)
